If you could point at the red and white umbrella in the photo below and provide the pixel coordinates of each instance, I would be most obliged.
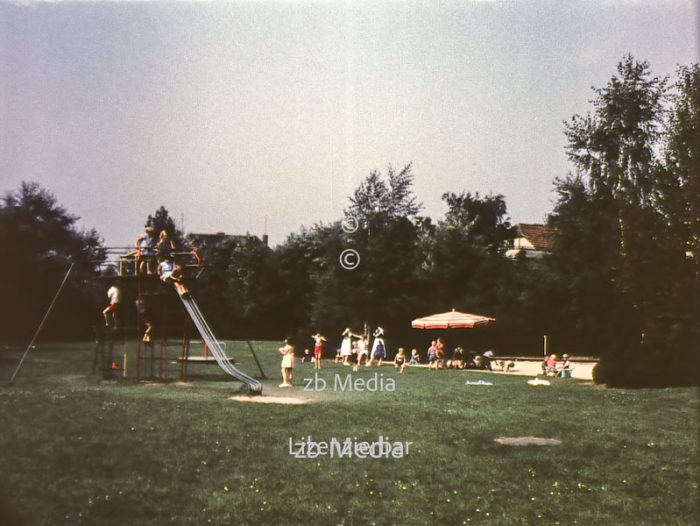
(451, 320)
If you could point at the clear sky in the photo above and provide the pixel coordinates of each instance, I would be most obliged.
(226, 112)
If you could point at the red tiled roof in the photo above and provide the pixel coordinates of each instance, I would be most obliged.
(541, 236)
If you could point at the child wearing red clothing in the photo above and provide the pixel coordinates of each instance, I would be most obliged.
(318, 349)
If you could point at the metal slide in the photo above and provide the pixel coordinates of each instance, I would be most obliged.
(254, 386)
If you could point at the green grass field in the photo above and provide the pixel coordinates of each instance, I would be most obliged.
(75, 449)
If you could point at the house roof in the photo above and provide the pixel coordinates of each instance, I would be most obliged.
(540, 236)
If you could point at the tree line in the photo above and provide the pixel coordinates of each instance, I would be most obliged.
(621, 282)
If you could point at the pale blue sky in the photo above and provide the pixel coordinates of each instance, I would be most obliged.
(229, 111)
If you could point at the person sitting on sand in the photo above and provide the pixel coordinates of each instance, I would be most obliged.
(415, 358)
(506, 365)
(564, 367)
(565, 364)
(551, 368)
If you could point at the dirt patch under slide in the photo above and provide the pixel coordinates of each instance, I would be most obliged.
(287, 400)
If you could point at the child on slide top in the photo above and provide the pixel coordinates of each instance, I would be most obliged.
(169, 272)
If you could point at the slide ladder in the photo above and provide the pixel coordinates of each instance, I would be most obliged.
(254, 386)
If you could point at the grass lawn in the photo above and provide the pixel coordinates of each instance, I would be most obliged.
(75, 449)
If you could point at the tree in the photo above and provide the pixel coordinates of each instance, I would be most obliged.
(302, 259)
(385, 288)
(679, 192)
(318, 293)
(252, 290)
(474, 231)
(42, 241)
(484, 221)
(583, 265)
(160, 221)
(375, 200)
(615, 250)
(615, 146)
(240, 288)
(464, 264)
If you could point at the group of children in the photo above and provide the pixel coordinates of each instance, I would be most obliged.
(150, 253)
(153, 255)
(355, 353)
(551, 366)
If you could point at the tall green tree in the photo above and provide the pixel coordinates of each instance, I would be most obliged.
(473, 234)
(377, 199)
(484, 220)
(465, 267)
(679, 189)
(42, 240)
(161, 220)
(614, 249)
(303, 259)
(240, 291)
(320, 294)
(253, 290)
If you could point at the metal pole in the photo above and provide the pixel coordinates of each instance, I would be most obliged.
(256, 359)
(185, 356)
(41, 325)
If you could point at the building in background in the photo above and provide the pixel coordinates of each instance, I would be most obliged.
(531, 241)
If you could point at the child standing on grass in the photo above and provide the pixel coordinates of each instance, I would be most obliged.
(362, 350)
(432, 355)
(355, 356)
(287, 352)
(346, 346)
(378, 348)
(318, 349)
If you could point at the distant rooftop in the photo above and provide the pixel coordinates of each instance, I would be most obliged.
(541, 237)
(531, 241)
